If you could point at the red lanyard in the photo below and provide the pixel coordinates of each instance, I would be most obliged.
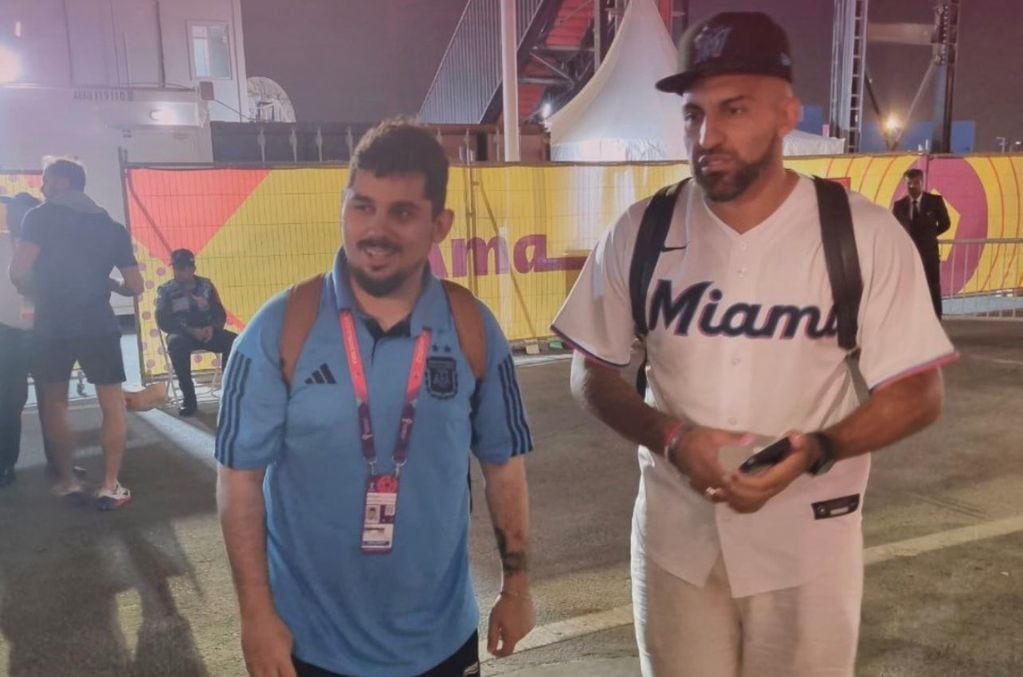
(408, 412)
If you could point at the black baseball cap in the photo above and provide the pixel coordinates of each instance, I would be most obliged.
(182, 258)
(730, 43)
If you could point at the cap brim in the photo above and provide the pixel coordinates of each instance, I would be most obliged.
(680, 82)
(677, 83)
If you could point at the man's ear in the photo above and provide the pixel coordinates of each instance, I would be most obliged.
(790, 113)
(442, 224)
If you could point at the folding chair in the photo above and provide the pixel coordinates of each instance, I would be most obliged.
(175, 397)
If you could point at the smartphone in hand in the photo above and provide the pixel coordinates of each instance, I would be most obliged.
(767, 457)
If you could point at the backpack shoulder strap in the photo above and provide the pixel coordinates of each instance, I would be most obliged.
(653, 230)
(472, 333)
(303, 305)
(841, 256)
(843, 262)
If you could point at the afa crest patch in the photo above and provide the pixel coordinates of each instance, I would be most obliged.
(442, 377)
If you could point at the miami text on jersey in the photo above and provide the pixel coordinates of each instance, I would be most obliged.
(752, 320)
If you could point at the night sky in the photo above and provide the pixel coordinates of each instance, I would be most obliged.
(360, 60)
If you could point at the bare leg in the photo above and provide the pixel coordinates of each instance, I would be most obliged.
(58, 431)
(47, 442)
(115, 431)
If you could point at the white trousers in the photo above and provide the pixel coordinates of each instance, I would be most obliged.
(808, 631)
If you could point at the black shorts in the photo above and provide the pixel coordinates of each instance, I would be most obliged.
(100, 359)
(463, 663)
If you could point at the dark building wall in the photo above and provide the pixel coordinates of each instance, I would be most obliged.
(360, 60)
(349, 60)
(988, 75)
(990, 59)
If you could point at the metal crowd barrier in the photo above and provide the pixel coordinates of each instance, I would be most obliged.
(982, 278)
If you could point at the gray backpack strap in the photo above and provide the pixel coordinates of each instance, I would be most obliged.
(843, 265)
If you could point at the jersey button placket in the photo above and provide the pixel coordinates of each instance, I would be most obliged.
(735, 291)
(744, 291)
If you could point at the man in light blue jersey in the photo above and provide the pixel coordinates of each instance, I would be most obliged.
(343, 499)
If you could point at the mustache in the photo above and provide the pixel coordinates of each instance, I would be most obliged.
(378, 243)
(700, 153)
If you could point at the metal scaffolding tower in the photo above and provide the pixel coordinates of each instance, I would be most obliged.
(946, 51)
(848, 68)
(850, 80)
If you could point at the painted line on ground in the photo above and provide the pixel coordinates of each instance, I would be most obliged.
(588, 624)
(540, 360)
(996, 360)
(943, 539)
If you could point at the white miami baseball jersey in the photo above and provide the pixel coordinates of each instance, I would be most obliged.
(743, 337)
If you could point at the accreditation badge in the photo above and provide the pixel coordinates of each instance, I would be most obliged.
(379, 516)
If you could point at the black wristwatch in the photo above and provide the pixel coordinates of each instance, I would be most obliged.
(827, 457)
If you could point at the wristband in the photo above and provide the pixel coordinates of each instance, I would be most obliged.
(675, 435)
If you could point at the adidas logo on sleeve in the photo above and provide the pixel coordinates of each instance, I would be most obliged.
(322, 376)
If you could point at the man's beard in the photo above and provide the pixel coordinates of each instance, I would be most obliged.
(727, 186)
(380, 288)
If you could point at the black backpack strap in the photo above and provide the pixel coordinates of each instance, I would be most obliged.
(653, 230)
(843, 264)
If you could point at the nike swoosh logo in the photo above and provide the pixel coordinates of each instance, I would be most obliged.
(674, 249)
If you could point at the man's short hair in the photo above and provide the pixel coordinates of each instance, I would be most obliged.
(182, 259)
(66, 168)
(914, 174)
(400, 146)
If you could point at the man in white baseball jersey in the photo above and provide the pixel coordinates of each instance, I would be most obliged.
(735, 573)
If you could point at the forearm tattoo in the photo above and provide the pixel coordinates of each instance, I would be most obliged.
(512, 562)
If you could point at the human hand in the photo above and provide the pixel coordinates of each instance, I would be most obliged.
(511, 619)
(748, 493)
(267, 644)
(697, 457)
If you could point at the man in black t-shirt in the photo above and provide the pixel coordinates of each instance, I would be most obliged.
(69, 248)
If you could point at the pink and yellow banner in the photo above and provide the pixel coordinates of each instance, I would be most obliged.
(520, 235)
(12, 183)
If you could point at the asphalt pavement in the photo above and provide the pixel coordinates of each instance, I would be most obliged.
(146, 591)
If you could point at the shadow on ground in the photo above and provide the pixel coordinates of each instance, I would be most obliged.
(88, 593)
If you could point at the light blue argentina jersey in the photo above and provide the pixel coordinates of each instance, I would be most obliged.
(369, 615)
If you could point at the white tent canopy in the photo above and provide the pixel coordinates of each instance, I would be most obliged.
(804, 143)
(620, 116)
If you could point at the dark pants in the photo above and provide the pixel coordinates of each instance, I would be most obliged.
(932, 271)
(180, 348)
(458, 664)
(15, 357)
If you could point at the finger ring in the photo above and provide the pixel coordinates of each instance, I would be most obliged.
(712, 492)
